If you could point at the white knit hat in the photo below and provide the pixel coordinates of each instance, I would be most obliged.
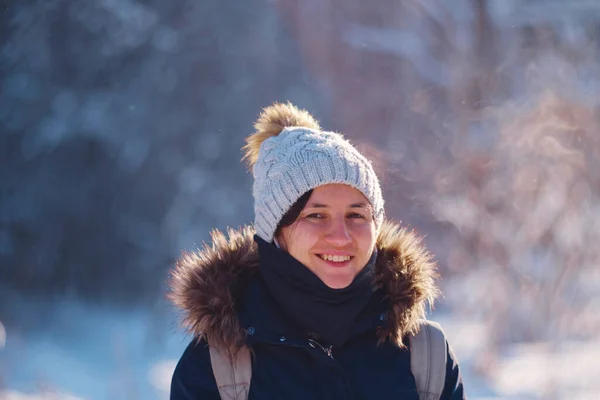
(290, 155)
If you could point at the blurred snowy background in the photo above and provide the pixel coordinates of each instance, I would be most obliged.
(120, 128)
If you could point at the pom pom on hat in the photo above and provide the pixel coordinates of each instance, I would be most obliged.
(272, 120)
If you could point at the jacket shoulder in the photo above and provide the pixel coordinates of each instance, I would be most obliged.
(453, 386)
(193, 377)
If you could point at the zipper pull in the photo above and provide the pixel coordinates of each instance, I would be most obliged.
(327, 350)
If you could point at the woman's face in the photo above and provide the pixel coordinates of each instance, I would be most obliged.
(334, 235)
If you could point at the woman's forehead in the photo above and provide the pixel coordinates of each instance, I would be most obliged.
(336, 194)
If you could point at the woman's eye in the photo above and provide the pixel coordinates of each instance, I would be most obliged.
(315, 216)
(356, 215)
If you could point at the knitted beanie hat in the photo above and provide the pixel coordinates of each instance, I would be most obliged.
(289, 155)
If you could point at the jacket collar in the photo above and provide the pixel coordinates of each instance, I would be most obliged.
(263, 320)
(212, 284)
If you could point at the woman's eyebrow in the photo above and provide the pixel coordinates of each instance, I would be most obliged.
(354, 205)
(316, 205)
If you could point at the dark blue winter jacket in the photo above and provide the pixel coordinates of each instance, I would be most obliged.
(226, 302)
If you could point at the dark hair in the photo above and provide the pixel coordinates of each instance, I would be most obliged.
(292, 214)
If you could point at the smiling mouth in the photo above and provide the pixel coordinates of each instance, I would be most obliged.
(334, 258)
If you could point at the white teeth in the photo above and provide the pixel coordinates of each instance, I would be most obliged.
(329, 257)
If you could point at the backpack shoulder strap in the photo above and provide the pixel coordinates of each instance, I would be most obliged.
(428, 360)
(232, 372)
(427, 363)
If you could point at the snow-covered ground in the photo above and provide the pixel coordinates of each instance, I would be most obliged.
(549, 371)
(94, 353)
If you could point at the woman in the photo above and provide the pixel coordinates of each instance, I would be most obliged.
(323, 290)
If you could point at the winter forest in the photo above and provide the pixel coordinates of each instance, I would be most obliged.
(121, 123)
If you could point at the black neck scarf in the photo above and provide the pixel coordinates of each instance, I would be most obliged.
(314, 306)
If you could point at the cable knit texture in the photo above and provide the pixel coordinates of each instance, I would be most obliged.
(300, 159)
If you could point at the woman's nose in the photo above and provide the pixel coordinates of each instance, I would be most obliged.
(338, 234)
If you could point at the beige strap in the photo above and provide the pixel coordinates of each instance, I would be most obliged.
(233, 375)
(428, 360)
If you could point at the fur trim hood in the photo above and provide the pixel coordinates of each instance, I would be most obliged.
(207, 283)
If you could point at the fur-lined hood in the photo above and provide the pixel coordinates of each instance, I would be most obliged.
(207, 283)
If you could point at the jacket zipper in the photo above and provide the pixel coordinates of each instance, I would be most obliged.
(327, 350)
